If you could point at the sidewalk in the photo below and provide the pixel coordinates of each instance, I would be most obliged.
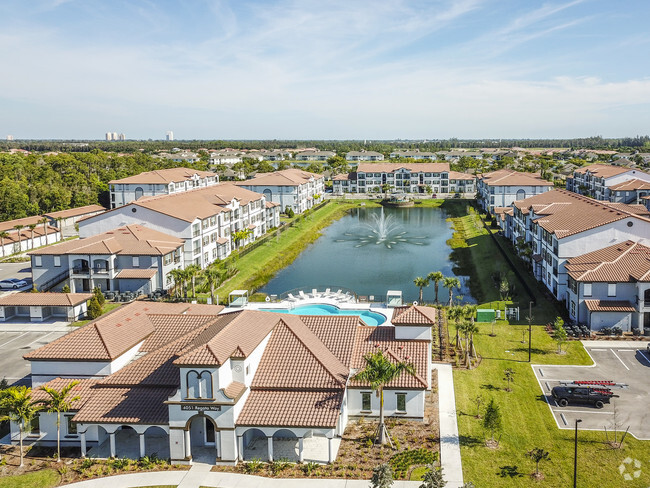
(449, 442)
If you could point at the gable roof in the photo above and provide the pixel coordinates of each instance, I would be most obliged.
(620, 263)
(414, 315)
(509, 177)
(163, 176)
(286, 177)
(412, 167)
(75, 212)
(602, 170)
(44, 299)
(129, 240)
(631, 185)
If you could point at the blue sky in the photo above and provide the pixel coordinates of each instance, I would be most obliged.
(321, 69)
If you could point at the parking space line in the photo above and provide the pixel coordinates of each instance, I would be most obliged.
(585, 412)
(617, 357)
(599, 350)
(644, 355)
(563, 419)
(8, 342)
(40, 338)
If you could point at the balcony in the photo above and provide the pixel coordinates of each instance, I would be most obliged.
(102, 270)
(80, 270)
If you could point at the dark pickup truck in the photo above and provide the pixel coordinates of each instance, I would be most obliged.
(595, 395)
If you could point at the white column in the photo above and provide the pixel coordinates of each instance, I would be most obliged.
(330, 450)
(83, 444)
(188, 447)
(142, 450)
(300, 445)
(269, 441)
(240, 447)
(112, 442)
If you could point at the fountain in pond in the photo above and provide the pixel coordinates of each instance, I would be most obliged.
(383, 230)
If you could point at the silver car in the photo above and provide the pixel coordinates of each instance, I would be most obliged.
(13, 283)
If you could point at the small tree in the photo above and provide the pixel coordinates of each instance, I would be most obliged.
(559, 334)
(492, 420)
(16, 405)
(433, 478)
(382, 476)
(65, 289)
(436, 277)
(99, 296)
(289, 211)
(94, 308)
(504, 288)
(478, 400)
(509, 376)
(538, 454)
(59, 401)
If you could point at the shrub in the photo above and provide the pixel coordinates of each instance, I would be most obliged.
(65, 289)
(94, 308)
(253, 466)
(308, 468)
(99, 295)
(402, 461)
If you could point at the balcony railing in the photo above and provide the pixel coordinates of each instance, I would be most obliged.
(80, 270)
(101, 270)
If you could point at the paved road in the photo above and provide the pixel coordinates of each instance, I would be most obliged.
(22, 271)
(621, 362)
(17, 340)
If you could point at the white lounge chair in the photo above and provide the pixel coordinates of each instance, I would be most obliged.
(302, 295)
(291, 298)
(327, 293)
(314, 293)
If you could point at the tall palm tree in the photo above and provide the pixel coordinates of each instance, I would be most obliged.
(454, 314)
(3, 236)
(421, 283)
(178, 275)
(436, 277)
(16, 406)
(471, 329)
(19, 228)
(191, 272)
(451, 282)
(44, 221)
(31, 228)
(59, 401)
(212, 278)
(380, 371)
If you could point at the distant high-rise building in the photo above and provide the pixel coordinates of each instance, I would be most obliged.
(170, 135)
(109, 136)
(122, 136)
(10, 137)
(115, 136)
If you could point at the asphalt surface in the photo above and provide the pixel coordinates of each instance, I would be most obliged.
(18, 339)
(615, 361)
(22, 271)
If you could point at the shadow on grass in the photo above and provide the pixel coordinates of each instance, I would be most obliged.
(534, 350)
(509, 472)
(489, 387)
(469, 441)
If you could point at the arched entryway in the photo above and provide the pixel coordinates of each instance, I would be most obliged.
(521, 194)
(203, 436)
(126, 442)
(156, 442)
(286, 445)
(255, 445)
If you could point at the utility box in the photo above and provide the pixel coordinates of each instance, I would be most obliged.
(485, 315)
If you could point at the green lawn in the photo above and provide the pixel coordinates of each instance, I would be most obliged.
(108, 306)
(528, 422)
(36, 479)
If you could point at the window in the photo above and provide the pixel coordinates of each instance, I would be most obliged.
(34, 427)
(248, 370)
(199, 385)
(586, 289)
(57, 261)
(136, 262)
(168, 258)
(38, 261)
(611, 289)
(573, 308)
(70, 425)
(365, 401)
(401, 402)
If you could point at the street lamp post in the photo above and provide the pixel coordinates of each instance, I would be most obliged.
(575, 456)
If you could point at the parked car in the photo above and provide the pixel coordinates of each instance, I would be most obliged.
(595, 395)
(13, 283)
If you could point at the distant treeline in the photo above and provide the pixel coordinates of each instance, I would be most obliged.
(37, 184)
(341, 147)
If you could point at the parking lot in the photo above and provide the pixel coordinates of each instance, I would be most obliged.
(17, 339)
(621, 362)
(22, 271)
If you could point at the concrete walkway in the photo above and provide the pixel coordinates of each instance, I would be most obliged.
(449, 442)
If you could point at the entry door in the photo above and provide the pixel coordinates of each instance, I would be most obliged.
(646, 320)
(209, 432)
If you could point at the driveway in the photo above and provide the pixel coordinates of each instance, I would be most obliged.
(22, 271)
(623, 362)
(17, 339)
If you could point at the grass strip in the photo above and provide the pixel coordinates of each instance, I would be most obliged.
(45, 478)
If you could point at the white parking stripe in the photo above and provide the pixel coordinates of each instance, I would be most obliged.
(40, 338)
(8, 342)
(583, 411)
(614, 353)
(644, 355)
(599, 350)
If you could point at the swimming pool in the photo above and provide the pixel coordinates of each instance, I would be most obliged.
(370, 318)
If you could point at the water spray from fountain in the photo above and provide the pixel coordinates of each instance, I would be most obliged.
(383, 230)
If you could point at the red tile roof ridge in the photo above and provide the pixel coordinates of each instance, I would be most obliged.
(399, 359)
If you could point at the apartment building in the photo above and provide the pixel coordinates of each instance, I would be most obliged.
(290, 188)
(364, 156)
(405, 177)
(503, 187)
(129, 258)
(597, 181)
(416, 155)
(314, 155)
(158, 182)
(207, 219)
(20, 235)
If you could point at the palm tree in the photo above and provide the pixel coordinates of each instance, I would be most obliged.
(19, 228)
(451, 282)
(178, 275)
(191, 272)
(16, 406)
(59, 401)
(380, 371)
(31, 228)
(436, 277)
(421, 283)
(3, 236)
(44, 221)
(241, 235)
(212, 278)
(454, 313)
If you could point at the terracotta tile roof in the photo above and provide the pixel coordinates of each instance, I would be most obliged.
(631, 185)
(286, 177)
(138, 405)
(372, 339)
(337, 333)
(455, 175)
(291, 408)
(620, 263)
(163, 176)
(9, 224)
(609, 306)
(414, 315)
(82, 390)
(234, 390)
(602, 170)
(170, 326)
(137, 273)
(271, 204)
(131, 240)
(26, 233)
(508, 177)
(412, 167)
(198, 203)
(75, 212)
(45, 299)
(295, 358)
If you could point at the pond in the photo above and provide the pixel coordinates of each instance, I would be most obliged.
(373, 250)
